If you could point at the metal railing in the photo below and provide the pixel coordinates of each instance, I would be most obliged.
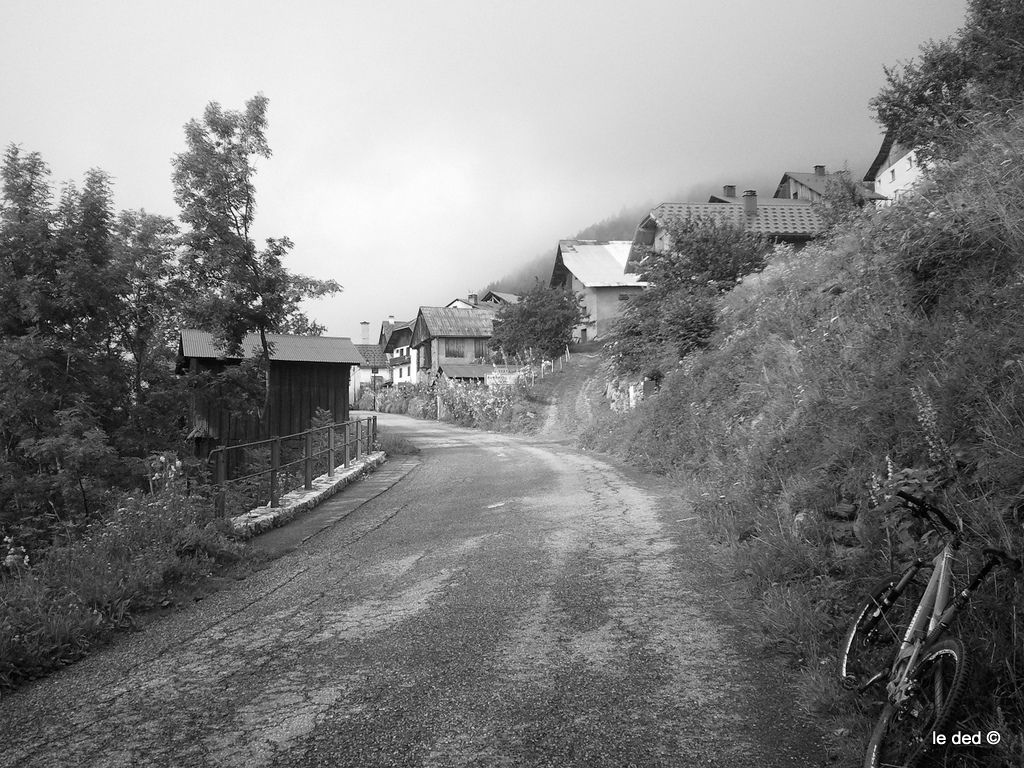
(239, 470)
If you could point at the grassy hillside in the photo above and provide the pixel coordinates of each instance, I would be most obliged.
(891, 353)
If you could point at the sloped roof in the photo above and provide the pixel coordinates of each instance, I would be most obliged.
(284, 347)
(433, 322)
(775, 218)
(465, 370)
(387, 334)
(596, 263)
(373, 355)
(499, 297)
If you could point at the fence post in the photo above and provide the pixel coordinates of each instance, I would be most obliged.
(308, 461)
(346, 451)
(222, 479)
(330, 451)
(375, 431)
(275, 465)
(358, 430)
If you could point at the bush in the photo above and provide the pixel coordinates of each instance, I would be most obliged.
(53, 610)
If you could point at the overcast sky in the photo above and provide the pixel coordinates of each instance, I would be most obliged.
(424, 149)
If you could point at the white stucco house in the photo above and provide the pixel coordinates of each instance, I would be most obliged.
(596, 270)
(895, 171)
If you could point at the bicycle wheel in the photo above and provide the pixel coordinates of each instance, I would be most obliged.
(903, 736)
(877, 630)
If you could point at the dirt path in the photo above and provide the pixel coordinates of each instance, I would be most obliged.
(572, 394)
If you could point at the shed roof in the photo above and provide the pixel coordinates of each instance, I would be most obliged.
(433, 322)
(596, 263)
(373, 355)
(284, 347)
(465, 370)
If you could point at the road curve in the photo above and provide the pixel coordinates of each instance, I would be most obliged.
(507, 604)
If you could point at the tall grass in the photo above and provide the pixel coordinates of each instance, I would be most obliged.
(895, 347)
(53, 610)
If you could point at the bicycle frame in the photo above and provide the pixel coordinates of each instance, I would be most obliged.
(929, 621)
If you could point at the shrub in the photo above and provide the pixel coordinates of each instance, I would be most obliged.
(52, 611)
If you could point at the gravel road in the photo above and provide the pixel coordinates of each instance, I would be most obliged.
(508, 603)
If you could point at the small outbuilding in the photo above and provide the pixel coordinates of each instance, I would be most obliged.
(306, 373)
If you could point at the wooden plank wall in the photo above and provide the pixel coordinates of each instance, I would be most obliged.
(296, 391)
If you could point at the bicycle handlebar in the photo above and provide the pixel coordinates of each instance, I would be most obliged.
(926, 508)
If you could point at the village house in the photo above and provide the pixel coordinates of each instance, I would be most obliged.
(812, 187)
(373, 373)
(781, 220)
(305, 373)
(396, 341)
(446, 335)
(596, 270)
(894, 172)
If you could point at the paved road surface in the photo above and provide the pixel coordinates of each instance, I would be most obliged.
(505, 604)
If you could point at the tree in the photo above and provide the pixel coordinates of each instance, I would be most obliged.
(542, 321)
(676, 314)
(926, 103)
(247, 290)
(243, 289)
(62, 382)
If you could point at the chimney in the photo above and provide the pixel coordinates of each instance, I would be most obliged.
(391, 322)
(819, 170)
(365, 325)
(750, 201)
(472, 300)
(729, 190)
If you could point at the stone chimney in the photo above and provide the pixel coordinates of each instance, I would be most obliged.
(472, 300)
(729, 190)
(365, 326)
(819, 170)
(750, 201)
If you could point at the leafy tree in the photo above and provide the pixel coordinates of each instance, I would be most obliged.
(62, 385)
(542, 321)
(245, 289)
(925, 103)
(676, 314)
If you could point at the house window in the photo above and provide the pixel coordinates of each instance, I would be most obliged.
(425, 356)
(623, 297)
(479, 348)
(454, 348)
(910, 162)
(892, 175)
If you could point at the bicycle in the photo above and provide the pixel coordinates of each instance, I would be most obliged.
(928, 674)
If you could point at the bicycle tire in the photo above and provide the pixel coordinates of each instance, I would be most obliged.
(871, 642)
(902, 738)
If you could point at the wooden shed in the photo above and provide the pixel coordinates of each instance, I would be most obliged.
(306, 373)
